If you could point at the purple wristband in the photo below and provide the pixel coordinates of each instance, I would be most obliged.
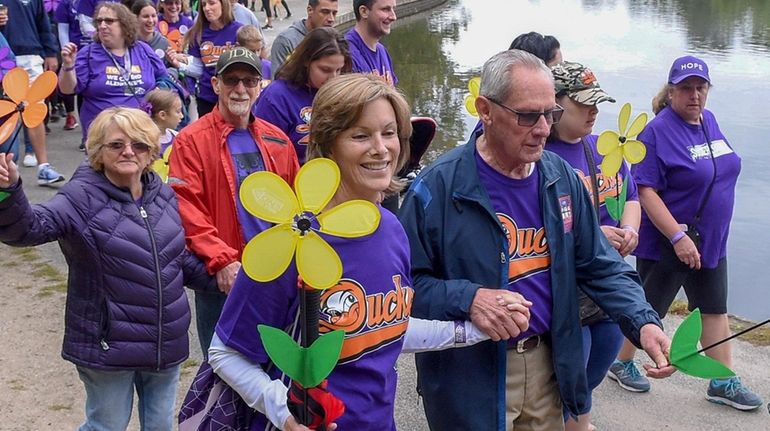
(677, 236)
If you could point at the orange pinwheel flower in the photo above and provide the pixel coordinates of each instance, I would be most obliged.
(27, 102)
(174, 36)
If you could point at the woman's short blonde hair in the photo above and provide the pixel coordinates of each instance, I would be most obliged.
(127, 20)
(338, 105)
(135, 123)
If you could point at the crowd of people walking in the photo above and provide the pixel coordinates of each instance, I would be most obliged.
(503, 269)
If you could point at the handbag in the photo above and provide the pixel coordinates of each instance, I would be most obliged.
(590, 313)
(212, 405)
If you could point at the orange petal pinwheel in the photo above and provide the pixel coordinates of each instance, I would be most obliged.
(616, 146)
(26, 102)
(174, 36)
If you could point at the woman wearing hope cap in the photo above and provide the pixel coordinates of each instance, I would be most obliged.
(687, 188)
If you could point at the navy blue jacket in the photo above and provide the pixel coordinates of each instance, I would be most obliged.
(28, 30)
(126, 304)
(458, 246)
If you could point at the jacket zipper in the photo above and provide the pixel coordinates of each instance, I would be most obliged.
(143, 213)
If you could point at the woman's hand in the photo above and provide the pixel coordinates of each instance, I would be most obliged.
(68, 54)
(630, 241)
(687, 252)
(292, 425)
(9, 172)
(615, 236)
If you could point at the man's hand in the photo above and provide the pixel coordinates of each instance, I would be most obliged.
(630, 241)
(292, 425)
(490, 312)
(656, 344)
(226, 276)
(614, 235)
(51, 63)
(9, 173)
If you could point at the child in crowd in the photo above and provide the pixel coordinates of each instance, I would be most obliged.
(251, 38)
(166, 111)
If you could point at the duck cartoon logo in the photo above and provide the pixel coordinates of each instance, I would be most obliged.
(608, 186)
(369, 321)
(527, 248)
(305, 114)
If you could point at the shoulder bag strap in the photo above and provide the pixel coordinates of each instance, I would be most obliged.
(592, 173)
(713, 179)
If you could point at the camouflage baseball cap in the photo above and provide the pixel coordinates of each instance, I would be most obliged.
(579, 83)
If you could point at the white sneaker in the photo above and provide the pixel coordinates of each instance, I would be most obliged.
(30, 160)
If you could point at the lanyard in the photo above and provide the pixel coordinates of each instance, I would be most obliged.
(125, 71)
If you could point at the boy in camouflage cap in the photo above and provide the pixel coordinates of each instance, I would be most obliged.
(579, 83)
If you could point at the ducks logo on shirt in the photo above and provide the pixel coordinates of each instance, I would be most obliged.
(369, 321)
(527, 249)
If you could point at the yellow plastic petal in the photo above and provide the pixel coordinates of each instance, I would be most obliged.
(474, 86)
(637, 126)
(316, 184)
(625, 114)
(634, 151)
(470, 105)
(42, 87)
(607, 142)
(161, 168)
(350, 219)
(34, 114)
(611, 163)
(167, 154)
(8, 127)
(16, 84)
(267, 196)
(268, 254)
(317, 262)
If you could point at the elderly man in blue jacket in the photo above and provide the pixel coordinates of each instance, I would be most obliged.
(500, 213)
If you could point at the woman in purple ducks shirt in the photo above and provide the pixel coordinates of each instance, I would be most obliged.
(127, 315)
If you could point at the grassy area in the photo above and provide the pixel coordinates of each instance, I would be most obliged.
(51, 280)
(757, 337)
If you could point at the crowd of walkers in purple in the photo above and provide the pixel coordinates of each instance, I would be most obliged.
(502, 270)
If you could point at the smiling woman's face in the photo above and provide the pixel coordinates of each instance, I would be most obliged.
(367, 153)
(123, 165)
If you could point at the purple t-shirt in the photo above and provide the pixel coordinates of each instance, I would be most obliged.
(184, 23)
(575, 155)
(288, 108)
(679, 166)
(246, 160)
(213, 43)
(102, 85)
(371, 303)
(66, 13)
(517, 205)
(365, 60)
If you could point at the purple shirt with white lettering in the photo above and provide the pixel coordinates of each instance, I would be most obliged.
(371, 303)
(517, 205)
(183, 25)
(679, 166)
(289, 108)
(212, 44)
(575, 155)
(247, 159)
(365, 60)
(102, 85)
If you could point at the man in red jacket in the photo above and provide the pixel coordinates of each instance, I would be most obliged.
(210, 159)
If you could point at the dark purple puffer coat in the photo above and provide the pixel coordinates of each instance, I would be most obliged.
(126, 304)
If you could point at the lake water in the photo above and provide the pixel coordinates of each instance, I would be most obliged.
(630, 46)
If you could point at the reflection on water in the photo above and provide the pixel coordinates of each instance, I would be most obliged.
(630, 45)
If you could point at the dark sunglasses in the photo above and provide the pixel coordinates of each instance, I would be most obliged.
(529, 119)
(108, 21)
(136, 147)
(232, 81)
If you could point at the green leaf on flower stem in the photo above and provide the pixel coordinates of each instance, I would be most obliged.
(308, 366)
(615, 205)
(684, 348)
(4, 195)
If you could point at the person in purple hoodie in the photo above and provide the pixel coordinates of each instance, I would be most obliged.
(118, 226)
(363, 124)
(115, 70)
(373, 21)
(287, 101)
(214, 32)
(579, 94)
(687, 188)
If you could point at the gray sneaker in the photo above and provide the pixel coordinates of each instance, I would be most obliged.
(628, 376)
(47, 175)
(732, 393)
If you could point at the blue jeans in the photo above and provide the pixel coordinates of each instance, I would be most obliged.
(110, 398)
(601, 344)
(208, 307)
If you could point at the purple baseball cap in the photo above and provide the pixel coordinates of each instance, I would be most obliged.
(687, 66)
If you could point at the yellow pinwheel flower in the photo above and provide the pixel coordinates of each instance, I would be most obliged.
(267, 196)
(470, 100)
(616, 146)
(160, 166)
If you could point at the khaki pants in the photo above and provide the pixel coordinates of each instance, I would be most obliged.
(532, 400)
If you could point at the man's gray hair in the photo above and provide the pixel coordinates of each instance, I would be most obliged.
(496, 75)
